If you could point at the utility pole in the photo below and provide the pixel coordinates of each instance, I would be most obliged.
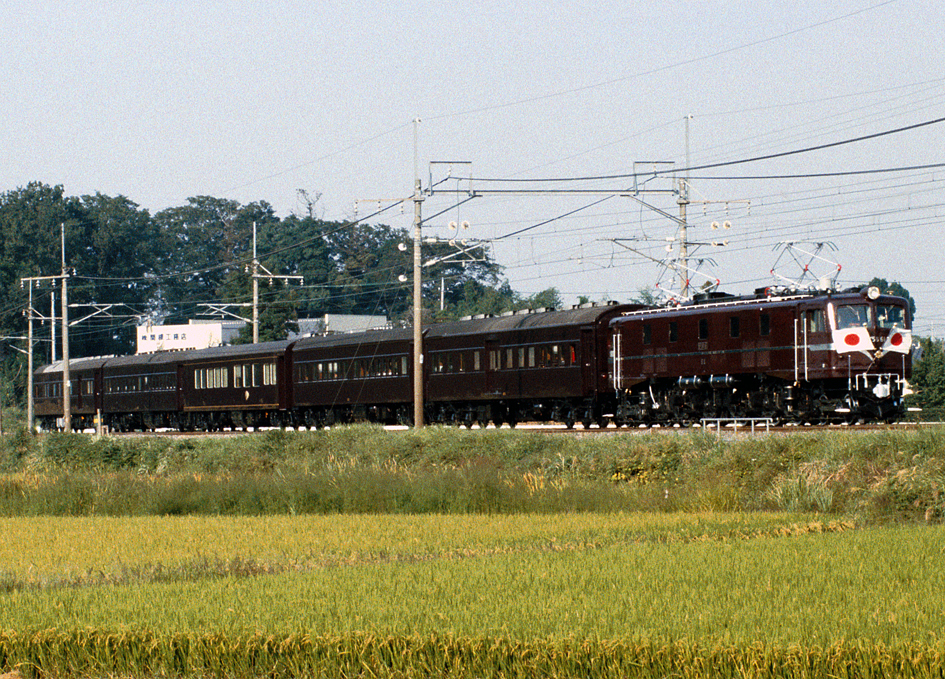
(255, 290)
(30, 416)
(66, 391)
(256, 276)
(417, 287)
(66, 383)
(683, 202)
(52, 325)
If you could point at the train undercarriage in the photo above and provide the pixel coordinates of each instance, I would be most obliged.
(682, 401)
(686, 401)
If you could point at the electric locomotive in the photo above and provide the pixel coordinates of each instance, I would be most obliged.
(814, 357)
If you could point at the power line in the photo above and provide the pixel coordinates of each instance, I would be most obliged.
(817, 175)
(710, 166)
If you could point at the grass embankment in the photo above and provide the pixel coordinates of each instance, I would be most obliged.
(893, 474)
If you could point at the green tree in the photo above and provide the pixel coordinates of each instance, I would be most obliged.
(366, 266)
(549, 298)
(114, 255)
(296, 246)
(896, 289)
(203, 244)
(928, 379)
(31, 219)
(476, 298)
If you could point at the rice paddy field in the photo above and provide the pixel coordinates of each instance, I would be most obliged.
(711, 594)
(688, 558)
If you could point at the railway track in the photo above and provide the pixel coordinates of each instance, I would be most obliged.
(560, 429)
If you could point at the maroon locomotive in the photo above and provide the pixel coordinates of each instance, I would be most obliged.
(814, 357)
(807, 357)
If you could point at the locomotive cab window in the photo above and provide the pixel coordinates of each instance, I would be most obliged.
(647, 333)
(853, 316)
(764, 325)
(733, 326)
(703, 328)
(888, 316)
(673, 331)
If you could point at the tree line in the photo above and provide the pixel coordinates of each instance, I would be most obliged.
(165, 266)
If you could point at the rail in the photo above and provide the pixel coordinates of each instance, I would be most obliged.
(753, 422)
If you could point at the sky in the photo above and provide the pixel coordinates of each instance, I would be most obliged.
(159, 101)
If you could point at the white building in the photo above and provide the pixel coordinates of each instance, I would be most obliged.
(201, 334)
(194, 335)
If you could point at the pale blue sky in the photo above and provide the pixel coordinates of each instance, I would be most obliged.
(159, 101)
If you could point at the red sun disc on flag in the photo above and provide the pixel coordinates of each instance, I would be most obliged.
(895, 340)
(851, 340)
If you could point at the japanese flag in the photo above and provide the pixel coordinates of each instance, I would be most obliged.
(846, 340)
(898, 340)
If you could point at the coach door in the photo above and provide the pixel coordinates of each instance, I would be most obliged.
(492, 365)
(283, 382)
(588, 362)
(180, 387)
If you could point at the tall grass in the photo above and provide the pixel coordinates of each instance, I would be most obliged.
(886, 475)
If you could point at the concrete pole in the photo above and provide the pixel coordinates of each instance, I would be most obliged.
(66, 383)
(29, 362)
(255, 290)
(417, 292)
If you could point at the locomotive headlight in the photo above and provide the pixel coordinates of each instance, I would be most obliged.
(872, 292)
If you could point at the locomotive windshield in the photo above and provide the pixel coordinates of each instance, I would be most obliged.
(853, 316)
(888, 316)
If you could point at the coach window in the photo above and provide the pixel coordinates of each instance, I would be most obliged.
(703, 328)
(531, 357)
(647, 333)
(764, 328)
(508, 358)
(673, 331)
(733, 326)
